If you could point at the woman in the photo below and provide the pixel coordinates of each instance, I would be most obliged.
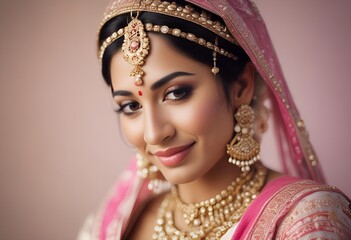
(189, 82)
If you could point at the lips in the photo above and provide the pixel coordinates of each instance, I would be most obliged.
(173, 156)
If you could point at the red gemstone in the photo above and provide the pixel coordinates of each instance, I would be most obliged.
(134, 45)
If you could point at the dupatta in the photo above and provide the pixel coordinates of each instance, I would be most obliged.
(245, 23)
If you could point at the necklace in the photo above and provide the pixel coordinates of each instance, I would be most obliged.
(212, 218)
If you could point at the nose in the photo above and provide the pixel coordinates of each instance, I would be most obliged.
(157, 127)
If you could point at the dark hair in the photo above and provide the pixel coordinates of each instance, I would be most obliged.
(229, 69)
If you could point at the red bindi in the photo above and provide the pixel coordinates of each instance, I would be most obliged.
(140, 93)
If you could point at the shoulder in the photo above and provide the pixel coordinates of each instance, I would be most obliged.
(286, 193)
(292, 208)
(318, 211)
(292, 189)
(310, 210)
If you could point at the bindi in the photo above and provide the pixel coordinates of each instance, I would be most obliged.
(140, 93)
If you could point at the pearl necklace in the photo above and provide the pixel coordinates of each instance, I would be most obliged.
(212, 218)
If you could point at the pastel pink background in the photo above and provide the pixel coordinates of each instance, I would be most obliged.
(60, 146)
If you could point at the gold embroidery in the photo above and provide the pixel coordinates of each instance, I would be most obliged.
(280, 204)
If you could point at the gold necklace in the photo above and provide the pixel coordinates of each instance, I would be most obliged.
(212, 218)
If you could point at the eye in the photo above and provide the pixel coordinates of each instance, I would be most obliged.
(178, 93)
(128, 107)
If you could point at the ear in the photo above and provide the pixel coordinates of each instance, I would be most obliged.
(244, 86)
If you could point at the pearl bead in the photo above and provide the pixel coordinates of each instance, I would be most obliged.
(237, 128)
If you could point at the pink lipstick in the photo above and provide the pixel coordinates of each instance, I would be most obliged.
(173, 156)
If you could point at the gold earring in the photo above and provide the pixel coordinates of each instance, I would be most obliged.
(149, 171)
(146, 170)
(243, 149)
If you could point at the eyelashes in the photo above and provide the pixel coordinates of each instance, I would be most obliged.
(178, 93)
(128, 108)
(172, 94)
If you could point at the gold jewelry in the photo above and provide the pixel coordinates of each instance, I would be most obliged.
(215, 69)
(149, 171)
(135, 47)
(186, 12)
(171, 9)
(216, 209)
(243, 149)
(145, 168)
(189, 36)
(214, 216)
(166, 30)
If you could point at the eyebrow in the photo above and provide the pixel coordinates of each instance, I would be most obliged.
(168, 78)
(156, 85)
(121, 93)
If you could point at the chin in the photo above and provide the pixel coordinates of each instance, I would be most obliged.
(179, 176)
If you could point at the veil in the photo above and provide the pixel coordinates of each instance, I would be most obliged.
(247, 26)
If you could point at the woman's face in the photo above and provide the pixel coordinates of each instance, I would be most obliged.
(179, 119)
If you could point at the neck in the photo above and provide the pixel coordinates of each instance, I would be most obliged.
(210, 214)
(213, 182)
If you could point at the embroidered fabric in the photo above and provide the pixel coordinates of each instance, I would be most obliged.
(322, 214)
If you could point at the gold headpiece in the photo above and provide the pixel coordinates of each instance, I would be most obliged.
(135, 47)
(136, 43)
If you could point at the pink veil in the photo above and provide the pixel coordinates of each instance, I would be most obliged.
(246, 25)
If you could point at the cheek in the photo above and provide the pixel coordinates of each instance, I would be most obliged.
(132, 130)
(211, 117)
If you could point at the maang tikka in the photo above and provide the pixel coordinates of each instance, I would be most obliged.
(135, 47)
(244, 149)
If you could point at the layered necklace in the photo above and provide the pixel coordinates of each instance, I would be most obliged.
(212, 218)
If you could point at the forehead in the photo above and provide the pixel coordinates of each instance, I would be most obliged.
(162, 60)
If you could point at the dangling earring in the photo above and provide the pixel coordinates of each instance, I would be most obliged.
(215, 69)
(243, 149)
(149, 171)
(145, 168)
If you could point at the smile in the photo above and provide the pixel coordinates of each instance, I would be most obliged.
(173, 156)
